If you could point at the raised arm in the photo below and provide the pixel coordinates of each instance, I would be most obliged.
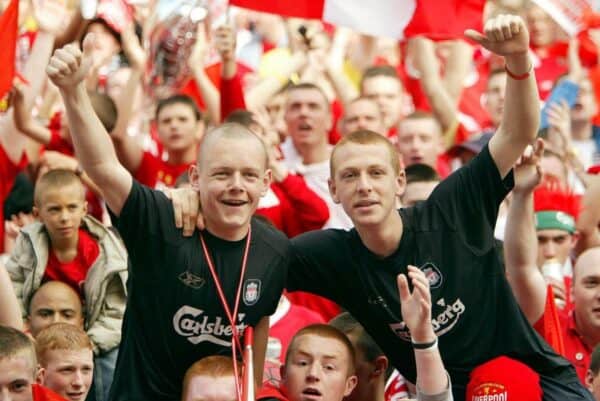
(589, 217)
(10, 311)
(432, 378)
(67, 69)
(506, 35)
(520, 241)
(24, 121)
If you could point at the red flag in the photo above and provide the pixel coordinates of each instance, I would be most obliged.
(436, 19)
(9, 30)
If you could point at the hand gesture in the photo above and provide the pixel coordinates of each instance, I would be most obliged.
(559, 119)
(225, 43)
(68, 67)
(186, 209)
(50, 15)
(504, 35)
(416, 307)
(528, 170)
(135, 53)
(198, 54)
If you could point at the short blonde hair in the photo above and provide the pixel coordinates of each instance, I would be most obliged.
(212, 366)
(366, 137)
(61, 336)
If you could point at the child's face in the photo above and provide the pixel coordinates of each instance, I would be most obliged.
(69, 372)
(61, 211)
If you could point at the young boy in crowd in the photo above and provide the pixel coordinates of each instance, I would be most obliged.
(69, 246)
(66, 360)
(212, 378)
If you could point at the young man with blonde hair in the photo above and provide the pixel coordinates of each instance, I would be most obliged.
(210, 379)
(66, 357)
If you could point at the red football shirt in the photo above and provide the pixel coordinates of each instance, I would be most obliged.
(43, 394)
(73, 273)
(156, 173)
(576, 350)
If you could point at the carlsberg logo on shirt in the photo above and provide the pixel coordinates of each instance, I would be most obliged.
(191, 322)
(442, 322)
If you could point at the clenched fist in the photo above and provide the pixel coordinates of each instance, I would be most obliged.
(505, 35)
(69, 66)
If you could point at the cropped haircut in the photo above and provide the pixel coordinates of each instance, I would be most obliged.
(62, 337)
(242, 117)
(366, 137)
(178, 99)
(232, 131)
(325, 331)
(56, 180)
(212, 366)
(347, 324)
(15, 343)
(311, 86)
(379, 71)
(420, 172)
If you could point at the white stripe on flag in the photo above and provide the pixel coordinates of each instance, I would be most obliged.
(386, 18)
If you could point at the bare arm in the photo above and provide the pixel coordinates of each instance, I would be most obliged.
(589, 218)
(24, 122)
(442, 104)
(456, 68)
(520, 241)
(10, 311)
(416, 312)
(334, 68)
(129, 151)
(210, 93)
(507, 36)
(67, 70)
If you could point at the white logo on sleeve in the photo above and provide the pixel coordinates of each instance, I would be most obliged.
(442, 323)
(191, 323)
(251, 291)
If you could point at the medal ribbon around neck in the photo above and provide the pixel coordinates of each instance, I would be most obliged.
(235, 336)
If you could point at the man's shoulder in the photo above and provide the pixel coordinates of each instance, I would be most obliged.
(269, 236)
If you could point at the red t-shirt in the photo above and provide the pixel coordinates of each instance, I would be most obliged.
(43, 394)
(576, 350)
(73, 273)
(8, 173)
(59, 144)
(156, 173)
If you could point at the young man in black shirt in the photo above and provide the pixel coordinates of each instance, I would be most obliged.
(450, 237)
(188, 297)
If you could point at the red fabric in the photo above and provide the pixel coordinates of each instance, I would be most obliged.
(43, 394)
(299, 209)
(8, 172)
(73, 273)
(191, 89)
(323, 306)
(312, 9)
(337, 110)
(154, 172)
(548, 326)
(506, 377)
(396, 388)
(270, 391)
(59, 144)
(442, 165)
(548, 70)
(576, 350)
(594, 169)
(441, 20)
(232, 95)
(10, 31)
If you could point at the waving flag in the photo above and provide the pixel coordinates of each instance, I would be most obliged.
(9, 28)
(436, 19)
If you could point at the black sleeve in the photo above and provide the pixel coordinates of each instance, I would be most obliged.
(316, 262)
(469, 200)
(146, 223)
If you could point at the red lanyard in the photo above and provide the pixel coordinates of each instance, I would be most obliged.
(235, 338)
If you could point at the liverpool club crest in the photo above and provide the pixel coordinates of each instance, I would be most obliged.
(251, 291)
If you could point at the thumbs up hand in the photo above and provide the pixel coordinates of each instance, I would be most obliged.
(69, 66)
(505, 35)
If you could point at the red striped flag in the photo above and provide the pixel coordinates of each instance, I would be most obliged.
(9, 28)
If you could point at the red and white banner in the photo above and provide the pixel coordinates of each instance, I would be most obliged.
(438, 19)
(9, 28)
(569, 14)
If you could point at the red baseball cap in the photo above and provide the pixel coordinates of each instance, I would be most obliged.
(503, 379)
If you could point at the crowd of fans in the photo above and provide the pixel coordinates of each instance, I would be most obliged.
(394, 219)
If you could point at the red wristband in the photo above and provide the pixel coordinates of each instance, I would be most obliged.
(518, 77)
